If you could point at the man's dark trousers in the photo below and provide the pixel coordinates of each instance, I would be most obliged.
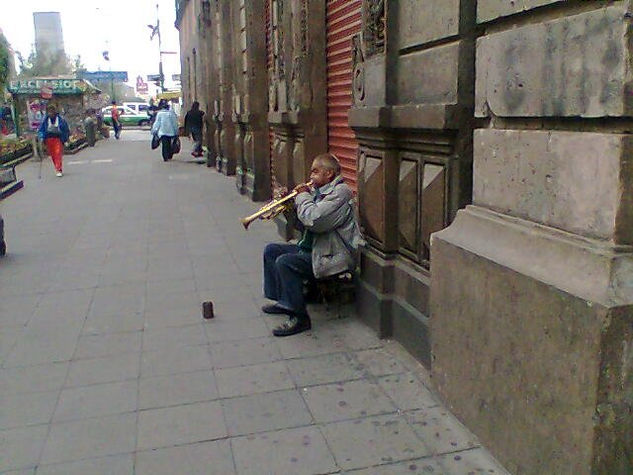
(286, 267)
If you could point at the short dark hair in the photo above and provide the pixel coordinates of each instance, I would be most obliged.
(51, 107)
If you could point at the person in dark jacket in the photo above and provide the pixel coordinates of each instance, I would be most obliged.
(54, 133)
(193, 126)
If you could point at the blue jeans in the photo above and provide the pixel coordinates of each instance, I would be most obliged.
(286, 267)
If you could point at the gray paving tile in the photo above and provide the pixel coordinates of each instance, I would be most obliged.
(246, 380)
(193, 459)
(173, 337)
(75, 278)
(67, 303)
(118, 300)
(229, 354)
(8, 338)
(115, 323)
(190, 315)
(107, 344)
(379, 362)
(17, 310)
(21, 448)
(325, 369)
(265, 412)
(180, 359)
(103, 370)
(45, 377)
(178, 425)
(371, 441)
(171, 286)
(48, 347)
(352, 399)
(440, 431)
(407, 392)
(297, 451)
(96, 400)
(219, 329)
(353, 333)
(112, 465)
(308, 344)
(466, 462)
(90, 438)
(171, 301)
(19, 410)
(174, 389)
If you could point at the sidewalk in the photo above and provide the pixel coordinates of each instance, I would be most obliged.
(108, 368)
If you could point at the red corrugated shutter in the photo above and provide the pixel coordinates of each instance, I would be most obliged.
(344, 20)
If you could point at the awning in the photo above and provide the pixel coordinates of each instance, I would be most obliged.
(169, 95)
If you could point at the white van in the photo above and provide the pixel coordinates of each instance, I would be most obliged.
(138, 107)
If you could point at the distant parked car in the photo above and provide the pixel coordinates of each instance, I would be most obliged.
(127, 117)
(138, 107)
(3, 245)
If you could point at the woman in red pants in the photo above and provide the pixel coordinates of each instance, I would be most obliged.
(55, 133)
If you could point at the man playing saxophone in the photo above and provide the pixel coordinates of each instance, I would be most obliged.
(328, 246)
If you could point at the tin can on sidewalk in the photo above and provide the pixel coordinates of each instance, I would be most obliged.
(207, 310)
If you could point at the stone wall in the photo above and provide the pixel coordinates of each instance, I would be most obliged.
(413, 118)
(533, 283)
(494, 187)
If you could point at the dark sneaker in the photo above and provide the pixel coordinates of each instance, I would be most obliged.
(293, 326)
(274, 309)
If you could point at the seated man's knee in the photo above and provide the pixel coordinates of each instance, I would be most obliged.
(284, 261)
(271, 251)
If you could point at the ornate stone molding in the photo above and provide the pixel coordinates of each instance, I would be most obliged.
(358, 71)
(374, 27)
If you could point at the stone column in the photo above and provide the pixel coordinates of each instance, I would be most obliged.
(251, 100)
(209, 83)
(532, 288)
(297, 102)
(226, 161)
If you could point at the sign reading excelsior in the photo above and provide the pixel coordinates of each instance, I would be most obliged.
(59, 86)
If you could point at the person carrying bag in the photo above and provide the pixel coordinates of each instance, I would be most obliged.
(166, 129)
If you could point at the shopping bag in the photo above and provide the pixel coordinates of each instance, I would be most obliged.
(155, 141)
(175, 145)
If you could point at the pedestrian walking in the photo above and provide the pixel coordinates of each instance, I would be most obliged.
(166, 129)
(193, 125)
(116, 121)
(54, 133)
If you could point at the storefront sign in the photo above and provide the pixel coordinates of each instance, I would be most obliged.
(141, 86)
(117, 76)
(59, 86)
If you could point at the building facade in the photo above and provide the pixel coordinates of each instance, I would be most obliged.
(488, 144)
(49, 37)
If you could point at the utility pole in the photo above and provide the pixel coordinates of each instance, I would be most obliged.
(160, 53)
(156, 31)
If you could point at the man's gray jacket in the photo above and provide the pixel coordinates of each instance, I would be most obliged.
(329, 214)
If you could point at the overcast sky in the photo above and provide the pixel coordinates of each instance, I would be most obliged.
(92, 26)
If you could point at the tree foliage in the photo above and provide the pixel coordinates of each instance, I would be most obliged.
(49, 63)
(5, 61)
